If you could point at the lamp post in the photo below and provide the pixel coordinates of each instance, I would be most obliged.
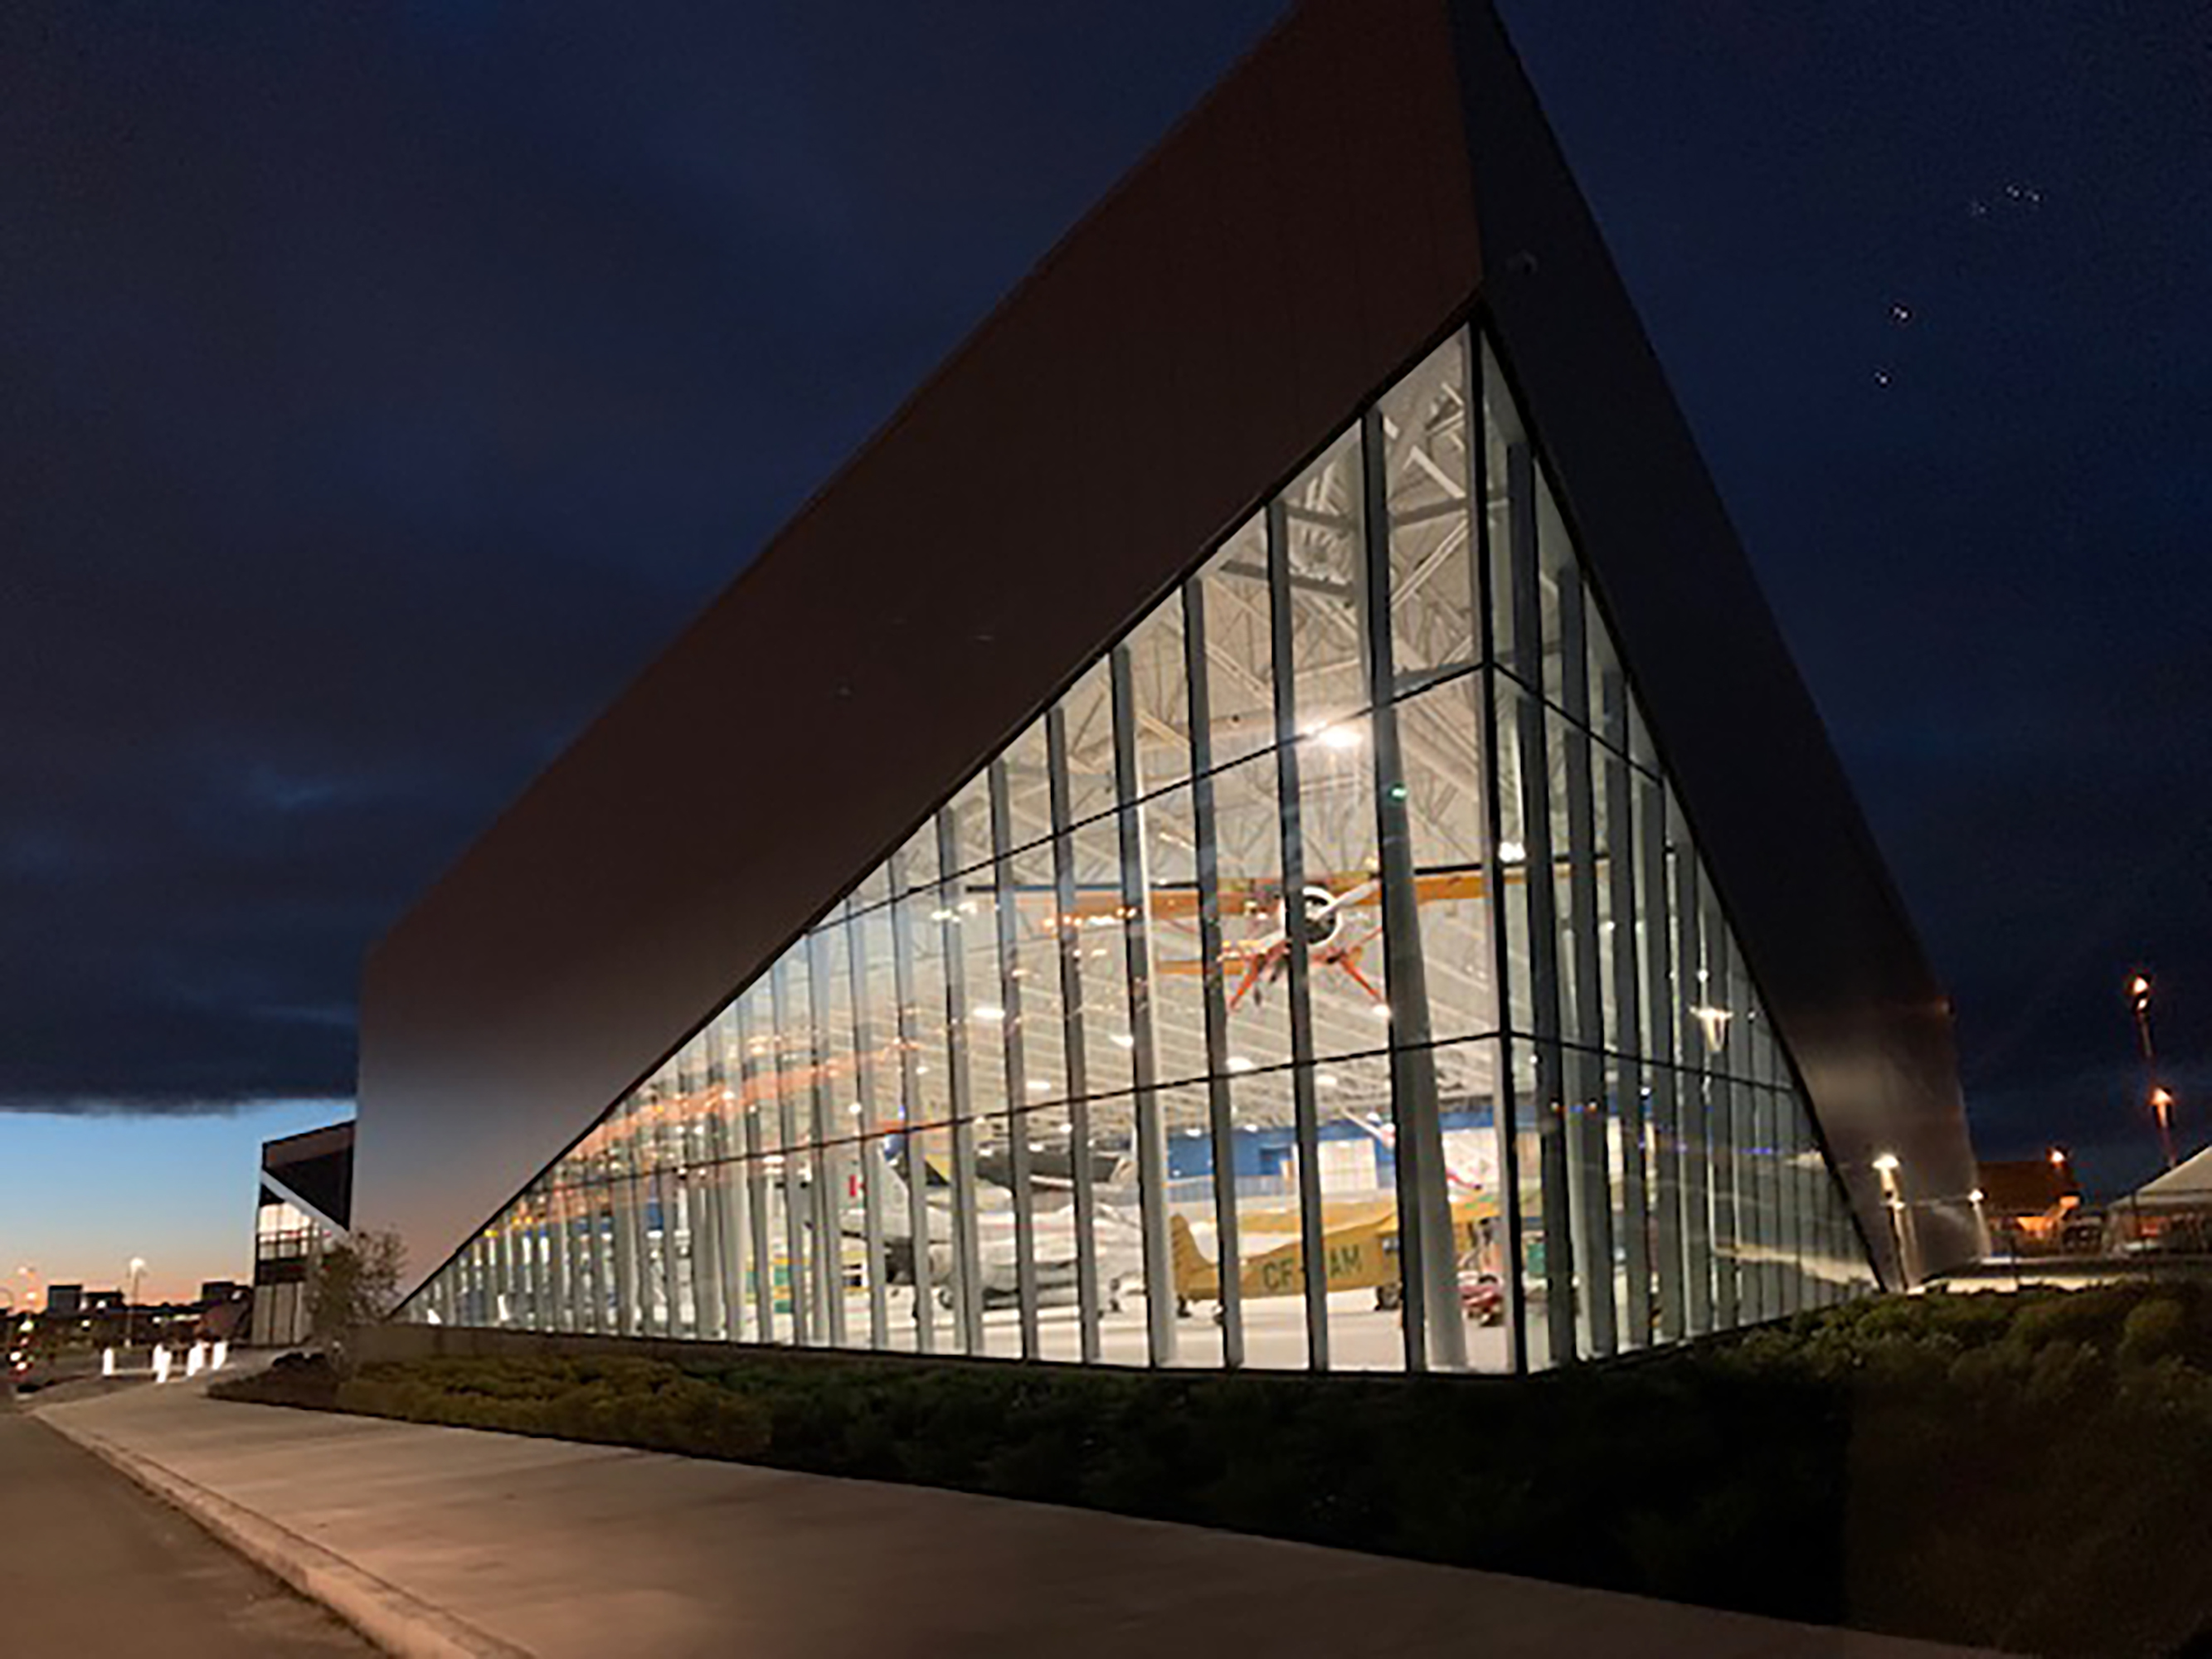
(130, 1298)
(2162, 1102)
(1887, 1165)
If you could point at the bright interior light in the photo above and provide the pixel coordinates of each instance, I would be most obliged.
(1975, 1196)
(988, 1011)
(1338, 736)
(1326, 1081)
(1886, 1162)
(1241, 1063)
(1123, 1040)
(1511, 852)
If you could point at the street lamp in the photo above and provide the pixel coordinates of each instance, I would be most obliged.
(2161, 1103)
(130, 1298)
(1887, 1165)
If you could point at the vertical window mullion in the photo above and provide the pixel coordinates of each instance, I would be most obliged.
(1697, 1182)
(1427, 1267)
(762, 1248)
(823, 1156)
(1068, 934)
(1543, 909)
(728, 1141)
(1589, 1178)
(1662, 997)
(869, 1159)
(1306, 1114)
(789, 1151)
(952, 943)
(1628, 1041)
(702, 1189)
(1151, 1132)
(1504, 1110)
(1007, 916)
(911, 1106)
(1718, 995)
(1220, 1104)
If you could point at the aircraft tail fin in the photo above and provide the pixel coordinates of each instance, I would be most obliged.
(1196, 1279)
(894, 1196)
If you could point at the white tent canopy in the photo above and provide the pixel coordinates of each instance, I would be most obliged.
(2188, 1183)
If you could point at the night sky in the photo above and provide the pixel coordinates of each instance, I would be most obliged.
(381, 387)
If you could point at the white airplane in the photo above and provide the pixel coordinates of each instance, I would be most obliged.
(1117, 1242)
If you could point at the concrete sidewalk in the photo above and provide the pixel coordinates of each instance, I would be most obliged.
(449, 1542)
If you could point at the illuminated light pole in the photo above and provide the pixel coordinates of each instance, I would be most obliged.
(2162, 1102)
(1887, 1165)
(130, 1298)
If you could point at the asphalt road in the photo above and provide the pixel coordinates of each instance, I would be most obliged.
(92, 1566)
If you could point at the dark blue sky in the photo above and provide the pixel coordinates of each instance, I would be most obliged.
(381, 387)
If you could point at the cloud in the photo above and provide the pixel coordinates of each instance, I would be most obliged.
(384, 387)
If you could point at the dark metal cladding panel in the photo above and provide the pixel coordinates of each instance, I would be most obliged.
(326, 1182)
(317, 1165)
(1294, 242)
(1796, 868)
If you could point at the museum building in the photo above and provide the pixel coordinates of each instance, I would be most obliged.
(1261, 821)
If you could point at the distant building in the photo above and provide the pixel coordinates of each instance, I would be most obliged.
(65, 1301)
(212, 1290)
(2028, 1203)
(305, 1206)
(100, 1300)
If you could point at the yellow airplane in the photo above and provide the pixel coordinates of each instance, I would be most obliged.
(1359, 1251)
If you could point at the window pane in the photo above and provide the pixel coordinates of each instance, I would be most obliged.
(1195, 1236)
(1270, 1252)
(1440, 739)
(1101, 944)
(1427, 473)
(1239, 649)
(1359, 1215)
(1248, 849)
(1326, 558)
(1341, 910)
(1160, 696)
(1088, 715)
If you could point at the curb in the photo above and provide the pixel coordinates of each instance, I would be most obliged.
(388, 1616)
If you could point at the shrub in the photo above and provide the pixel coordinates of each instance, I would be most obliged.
(2151, 1331)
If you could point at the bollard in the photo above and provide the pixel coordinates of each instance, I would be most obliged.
(160, 1365)
(220, 1353)
(107, 1361)
(195, 1358)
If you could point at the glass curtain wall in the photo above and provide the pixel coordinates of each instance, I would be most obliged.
(1326, 979)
